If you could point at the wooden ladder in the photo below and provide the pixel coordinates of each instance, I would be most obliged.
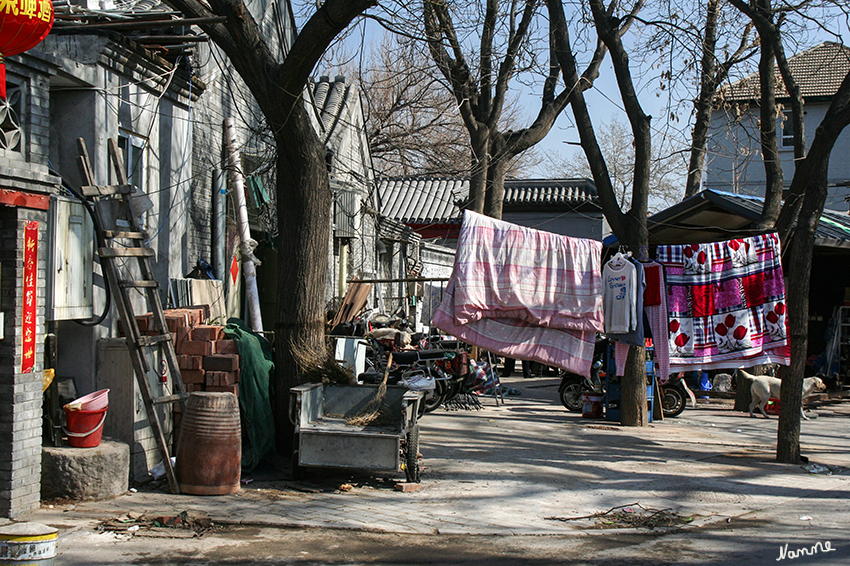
(124, 241)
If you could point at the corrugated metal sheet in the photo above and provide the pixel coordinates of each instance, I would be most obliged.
(713, 215)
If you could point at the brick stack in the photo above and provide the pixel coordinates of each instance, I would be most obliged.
(208, 360)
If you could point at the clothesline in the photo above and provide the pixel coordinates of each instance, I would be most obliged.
(539, 296)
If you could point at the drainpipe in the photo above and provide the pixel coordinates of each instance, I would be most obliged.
(247, 244)
(219, 200)
(342, 285)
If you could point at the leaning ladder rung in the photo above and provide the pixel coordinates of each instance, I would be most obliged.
(169, 398)
(140, 284)
(125, 252)
(151, 340)
(127, 235)
(106, 190)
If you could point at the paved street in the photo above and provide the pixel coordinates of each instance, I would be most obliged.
(497, 479)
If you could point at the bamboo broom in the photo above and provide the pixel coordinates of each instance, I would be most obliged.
(373, 408)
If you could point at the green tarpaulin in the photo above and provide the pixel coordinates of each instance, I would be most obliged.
(256, 368)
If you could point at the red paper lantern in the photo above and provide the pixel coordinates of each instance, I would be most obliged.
(23, 25)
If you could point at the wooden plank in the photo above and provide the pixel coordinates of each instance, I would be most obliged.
(125, 252)
(147, 341)
(138, 284)
(353, 302)
(127, 235)
(105, 190)
(170, 399)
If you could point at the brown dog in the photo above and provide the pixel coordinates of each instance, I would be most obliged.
(763, 387)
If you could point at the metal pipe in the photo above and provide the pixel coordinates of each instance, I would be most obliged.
(219, 202)
(249, 262)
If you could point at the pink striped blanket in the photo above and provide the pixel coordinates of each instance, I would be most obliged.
(726, 304)
(524, 293)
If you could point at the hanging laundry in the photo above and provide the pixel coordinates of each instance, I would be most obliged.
(636, 333)
(504, 270)
(726, 304)
(620, 295)
(656, 316)
(524, 293)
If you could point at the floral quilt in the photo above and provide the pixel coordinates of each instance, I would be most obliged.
(726, 304)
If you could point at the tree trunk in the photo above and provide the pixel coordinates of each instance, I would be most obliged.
(480, 163)
(743, 393)
(767, 130)
(633, 403)
(810, 180)
(494, 203)
(303, 207)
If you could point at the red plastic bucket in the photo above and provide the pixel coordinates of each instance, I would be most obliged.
(84, 428)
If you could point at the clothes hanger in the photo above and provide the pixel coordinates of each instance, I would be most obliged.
(618, 261)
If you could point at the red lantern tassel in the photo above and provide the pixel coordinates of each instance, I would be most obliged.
(2, 78)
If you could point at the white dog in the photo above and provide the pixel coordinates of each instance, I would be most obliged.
(763, 387)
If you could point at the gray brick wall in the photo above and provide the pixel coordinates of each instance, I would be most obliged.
(20, 394)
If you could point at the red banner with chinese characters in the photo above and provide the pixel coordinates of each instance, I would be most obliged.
(30, 295)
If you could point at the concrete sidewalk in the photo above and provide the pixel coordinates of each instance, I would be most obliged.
(520, 467)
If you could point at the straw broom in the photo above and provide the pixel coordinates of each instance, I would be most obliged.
(374, 407)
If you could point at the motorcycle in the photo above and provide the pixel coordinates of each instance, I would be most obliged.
(573, 385)
(674, 396)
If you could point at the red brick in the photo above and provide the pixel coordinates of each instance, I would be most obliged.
(193, 387)
(207, 332)
(224, 389)
(221, 362)
(181, 336)
(192, 315)
(192, 376)
(406, 487)
(190, 362)
(145, 321)
(195, 348)
(176, 320)
(226, 347)
(220, 378)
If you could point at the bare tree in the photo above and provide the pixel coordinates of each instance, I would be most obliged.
(412, 121)
(712, 73)
(796, 220)
(630, 227)
(615, 140)
(412, 118)
(481, 89)
(809, 186)
(303, 190)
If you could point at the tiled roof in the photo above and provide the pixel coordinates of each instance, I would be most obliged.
(819, 72)
(542, 192)
(439, 200)
(423, 201)
(329, 103)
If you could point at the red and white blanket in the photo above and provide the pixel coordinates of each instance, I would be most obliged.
(726, 304)
(525, 293)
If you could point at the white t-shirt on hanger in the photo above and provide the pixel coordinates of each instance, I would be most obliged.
(619, 296)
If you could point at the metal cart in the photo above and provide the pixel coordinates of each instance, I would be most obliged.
(324, 438)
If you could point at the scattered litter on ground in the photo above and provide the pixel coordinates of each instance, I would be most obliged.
(820, 469)
(601, 427)
(805, 518)
(182, 525)
(346, 487)
(633, 515)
